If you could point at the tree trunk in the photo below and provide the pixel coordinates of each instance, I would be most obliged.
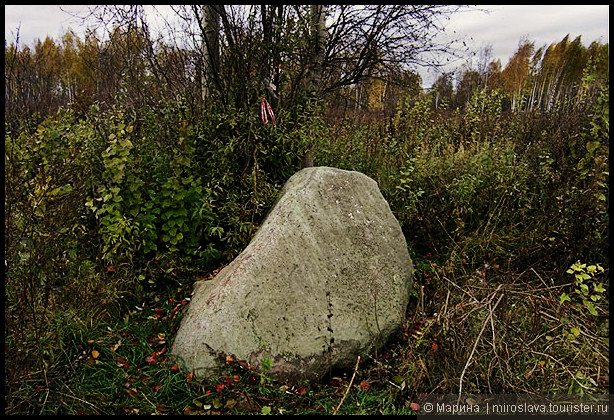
(319, 37)
(211, 47)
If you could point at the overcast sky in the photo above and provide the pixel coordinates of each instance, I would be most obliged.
(502, 27)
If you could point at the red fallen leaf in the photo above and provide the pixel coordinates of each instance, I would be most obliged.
(156, 387)
(236, 378)
(175, 368)
(151, 360)
(90, 361)
(219, 387)
(301, 391)
(189, 376)
(365, 385)
(122, 363)
(434, 346)
(208, 392)
(229, 360)
(111, 269)
(414, 406)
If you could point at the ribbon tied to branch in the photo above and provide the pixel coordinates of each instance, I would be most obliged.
(266, 111)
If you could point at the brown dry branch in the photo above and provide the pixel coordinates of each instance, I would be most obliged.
(488, 318)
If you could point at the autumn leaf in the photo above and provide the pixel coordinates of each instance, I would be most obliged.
(414, 406)
(122, 363)
(175, 368)
(365, 385)
(95, 354)
(151, 360)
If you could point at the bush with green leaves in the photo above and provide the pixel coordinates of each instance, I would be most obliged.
(588, 289)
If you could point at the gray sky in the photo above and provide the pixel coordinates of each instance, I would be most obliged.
(502, 27)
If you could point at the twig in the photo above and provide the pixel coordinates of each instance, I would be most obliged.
(475, 345)
(348, 388)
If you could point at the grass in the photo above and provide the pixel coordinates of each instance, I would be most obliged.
(490, 331)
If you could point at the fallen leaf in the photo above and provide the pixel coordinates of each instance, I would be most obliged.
(365, 385)
(122, 363)
(95, 354)
(90, 362)
(156, 387)
(175, 367)
(414, 406)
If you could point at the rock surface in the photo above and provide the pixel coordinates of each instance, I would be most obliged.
(326, 278)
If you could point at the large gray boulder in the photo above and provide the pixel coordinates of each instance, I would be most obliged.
(326, 278)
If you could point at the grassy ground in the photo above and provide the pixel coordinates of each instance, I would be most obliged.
(488, 332)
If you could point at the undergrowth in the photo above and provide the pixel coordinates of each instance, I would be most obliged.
(110, 218)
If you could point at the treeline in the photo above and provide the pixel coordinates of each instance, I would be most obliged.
(229, 55)
(136, 70)
(545, 79)
(78, 73)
